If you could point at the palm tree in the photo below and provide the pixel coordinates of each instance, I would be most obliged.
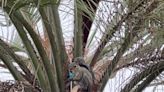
(110, 35)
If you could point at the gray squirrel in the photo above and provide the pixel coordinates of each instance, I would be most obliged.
(81, 74)
(80, 61)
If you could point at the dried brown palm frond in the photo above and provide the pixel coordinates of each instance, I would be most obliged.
(13, 86)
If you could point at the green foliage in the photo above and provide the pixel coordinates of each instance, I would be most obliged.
(120, 25)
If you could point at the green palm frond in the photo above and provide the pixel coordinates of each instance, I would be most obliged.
(110, 35)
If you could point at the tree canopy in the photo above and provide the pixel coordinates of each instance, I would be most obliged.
(39, 38)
